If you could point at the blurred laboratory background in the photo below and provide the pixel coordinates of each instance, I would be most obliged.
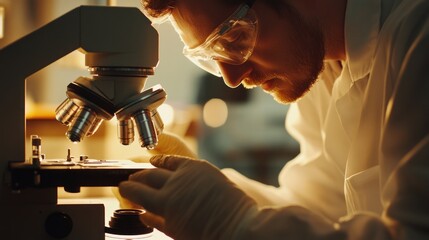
(238, 128)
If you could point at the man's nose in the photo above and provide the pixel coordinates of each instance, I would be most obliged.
(232, 74)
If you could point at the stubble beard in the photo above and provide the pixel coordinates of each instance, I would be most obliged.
(308, 64)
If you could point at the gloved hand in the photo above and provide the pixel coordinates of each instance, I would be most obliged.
(171, 144)
(189, 199)
(168, 143)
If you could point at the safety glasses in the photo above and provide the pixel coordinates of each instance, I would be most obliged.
(232, 42)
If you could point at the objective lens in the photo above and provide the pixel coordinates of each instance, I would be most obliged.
(146, 129)
(65, 111)
(126, 131)
(157, 121)
(94, 127)
(80, 124)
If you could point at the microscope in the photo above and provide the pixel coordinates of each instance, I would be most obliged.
(121, 51)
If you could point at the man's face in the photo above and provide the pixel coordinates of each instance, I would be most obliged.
(288, 55)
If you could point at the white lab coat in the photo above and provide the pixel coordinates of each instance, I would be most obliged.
(364, 161)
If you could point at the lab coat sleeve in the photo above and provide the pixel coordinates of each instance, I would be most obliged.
(404, 160)
(405, 149)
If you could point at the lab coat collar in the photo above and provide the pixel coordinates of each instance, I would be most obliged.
(362, 25)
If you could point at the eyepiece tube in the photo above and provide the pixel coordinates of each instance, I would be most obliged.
(146, 129)
(65, 111)
(80, 124)
(126, 131)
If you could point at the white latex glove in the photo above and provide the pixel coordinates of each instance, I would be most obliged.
(188, 199)
(171, 144)
(168, 143)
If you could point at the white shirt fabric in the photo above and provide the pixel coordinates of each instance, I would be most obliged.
(364, 161)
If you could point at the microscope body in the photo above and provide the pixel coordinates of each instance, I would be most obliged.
(121, 51)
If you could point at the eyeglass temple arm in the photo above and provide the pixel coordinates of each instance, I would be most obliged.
(249, 2)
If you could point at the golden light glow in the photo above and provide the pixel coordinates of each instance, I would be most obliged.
(215, 112)
(1, 21)
(167, 113)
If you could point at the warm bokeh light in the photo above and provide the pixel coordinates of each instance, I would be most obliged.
(215, 112)
(167, 113)
(1, 21)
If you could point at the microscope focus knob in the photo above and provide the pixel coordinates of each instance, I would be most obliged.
(58, 225)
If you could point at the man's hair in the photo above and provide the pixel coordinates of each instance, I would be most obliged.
(162, 8)
(158, 8)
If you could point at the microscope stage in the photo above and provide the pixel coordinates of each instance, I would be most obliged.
(62, 173)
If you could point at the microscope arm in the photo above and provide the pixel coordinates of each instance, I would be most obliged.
(119, 43)
(109, 37)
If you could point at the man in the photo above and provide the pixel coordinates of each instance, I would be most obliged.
(363, 170)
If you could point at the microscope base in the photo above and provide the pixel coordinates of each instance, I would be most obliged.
(46, 221)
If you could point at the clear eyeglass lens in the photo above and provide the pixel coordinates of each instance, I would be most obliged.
(233, 44)
(209, 66)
